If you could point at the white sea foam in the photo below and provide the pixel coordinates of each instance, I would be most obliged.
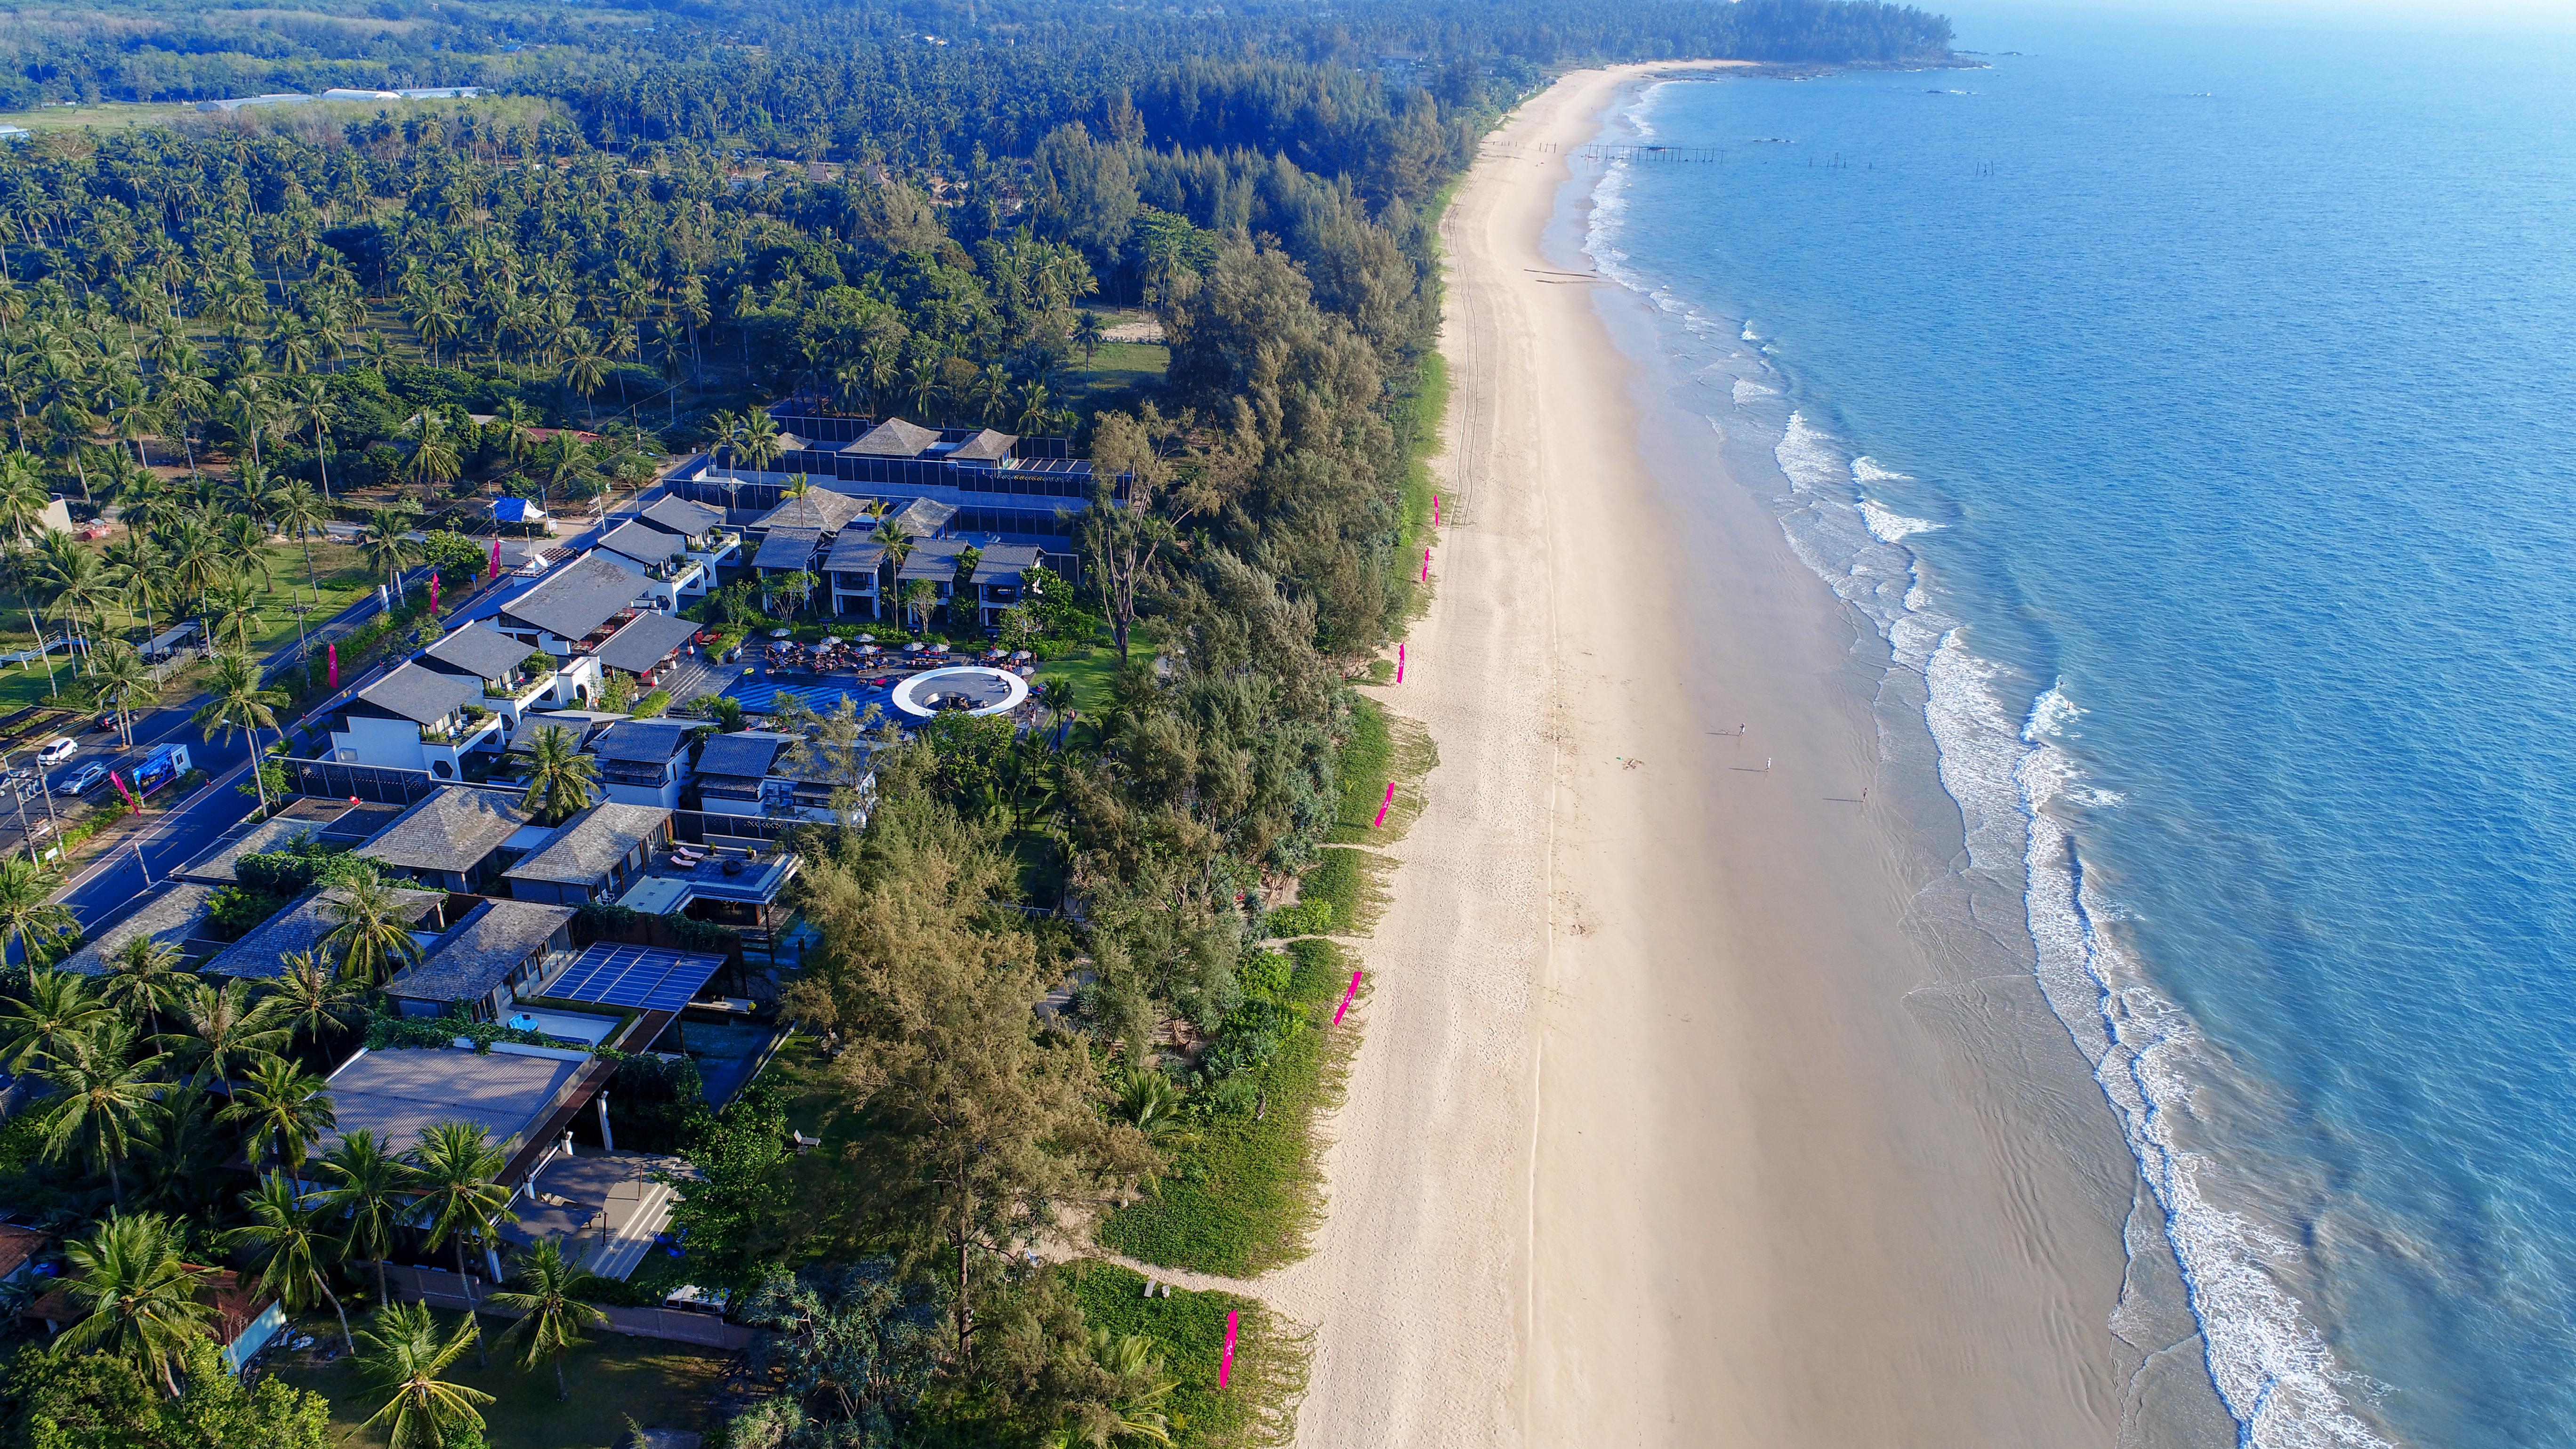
(2015, 781)
(1866, 469)
(1748, 335)
(1746, 389)
(1889, 526)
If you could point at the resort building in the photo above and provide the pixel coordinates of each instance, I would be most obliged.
(1001, 580)
(416, 718)
(758, 773)
(576, 607)
(643, 762)
(593, 857)
(672, 577)
(514, 676)
(854, 571)
(502, 947)
(646, 647)
(303, 927)
(458, 840)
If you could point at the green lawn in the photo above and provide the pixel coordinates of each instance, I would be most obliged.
(660, 1385)
(1242, 1197)
(1116, 368)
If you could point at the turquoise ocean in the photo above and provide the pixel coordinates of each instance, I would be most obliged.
(2189, 417)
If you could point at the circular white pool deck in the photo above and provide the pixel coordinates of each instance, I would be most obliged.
(976, 688)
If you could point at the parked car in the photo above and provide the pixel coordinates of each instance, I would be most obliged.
(82, 778)
(57, 750)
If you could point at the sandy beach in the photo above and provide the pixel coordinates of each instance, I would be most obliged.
(1645, 1145)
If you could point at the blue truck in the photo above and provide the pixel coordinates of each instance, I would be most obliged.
(159, 768)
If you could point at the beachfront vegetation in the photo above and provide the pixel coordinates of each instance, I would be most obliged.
(1037, 983)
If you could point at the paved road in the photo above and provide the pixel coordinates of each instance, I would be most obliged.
(109, 885)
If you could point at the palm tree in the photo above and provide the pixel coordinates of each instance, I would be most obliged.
(585, 367)
(236, 704)
(282, 1105)
(455, 1168)
(369, 930)
(78, 577)
(103, 1093)
(58, 1010)
(139, 570)
(142, 976)
(23, 496)
(185, 1153)
(560, 776)
(551, 1313)
(30, 918)
(759, 440)
(227, 1033)
(122, 684)
(1137, 1411)
(246, 537)
(233, 605)
(142, 1299)
(309, 406)
(314, 1000)
(197, 558)
(302, 516)
(404, 1360)
(289, 1243)
(370, 1189)
(386, 544)
(433, 462)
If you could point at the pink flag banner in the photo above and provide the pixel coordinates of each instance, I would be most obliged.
(1435, 510)
(1399, 664)
(1380, 821)
(118, 781)
(335, 664)
(433, 591)
(492, 570)
(1426, 565)
(1347, 995)
(1225, 1365)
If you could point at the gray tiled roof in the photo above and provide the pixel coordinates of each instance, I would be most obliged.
(577, 598)
(454, 829)
(682, 516)
(821, 510)
(1004, 562)
(420, 694)
(168, 915)
(855, 552)
(219, 866)
(987, 446)
(646, 640)
(643, 544)
(582, 722)
(582, 852)
(932, 558)
(894, 438)
(479, 650)
(302, 927)
(923, 517)
(741, 755)
(789, 548)
(480, 951)
(637, 741)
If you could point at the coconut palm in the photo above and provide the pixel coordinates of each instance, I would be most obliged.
(79, 578)
(370, 930)
(282, 1106)
(1136, 1411)
(309, 408)
(898, 543)
(103, 1093)
(370, 1188)
(246, 538)
(141, 1298)
(141, 977)
(23, 496)
(228, 1035)
(196, 556)
(233, 607)
(58, 1009)
(183, 1157)
(758, 440)
(302, 516)
(122, 684)
(560, 776)
(315, 1002)
(403, 1358)
(236, 704)
(139, 570)
(30, 918)
(289, 1242)
(433, 462)
(551, 1313)
(454, 1167)
(386, 544)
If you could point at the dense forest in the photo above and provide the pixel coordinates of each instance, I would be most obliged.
(669, 215)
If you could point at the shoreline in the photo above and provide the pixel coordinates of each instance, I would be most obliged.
(1646, 1143)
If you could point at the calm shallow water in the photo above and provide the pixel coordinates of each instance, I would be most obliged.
(2192, 413)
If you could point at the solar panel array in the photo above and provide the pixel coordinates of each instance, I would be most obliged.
(648, 978)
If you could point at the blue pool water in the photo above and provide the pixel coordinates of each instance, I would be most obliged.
(2191, 413)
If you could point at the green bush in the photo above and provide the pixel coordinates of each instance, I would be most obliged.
(1306, 918)
(1188, 1333)
(1264, 974)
